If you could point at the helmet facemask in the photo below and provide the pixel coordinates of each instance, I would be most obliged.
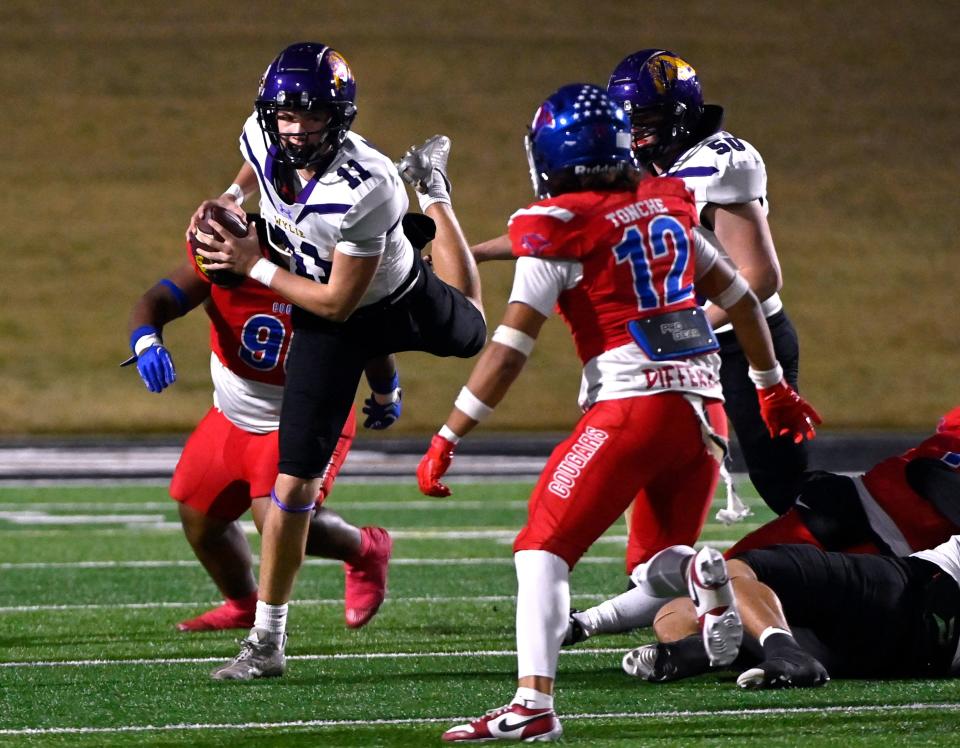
(303, 149)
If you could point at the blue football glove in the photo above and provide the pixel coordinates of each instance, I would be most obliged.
(152, 358)
(156, 368)
(382, 415)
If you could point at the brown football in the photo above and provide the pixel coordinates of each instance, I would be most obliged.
(232, 223)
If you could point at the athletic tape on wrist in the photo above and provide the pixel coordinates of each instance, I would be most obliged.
(292, 509)
(385, 386)
(734, 292)
(472, 405)
(237, 191)
(144, 337)
(263, 271)
(514, 338)
(763, 379)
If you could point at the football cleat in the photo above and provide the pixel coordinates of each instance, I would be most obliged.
(799, 671)
(575, 631)
(366, 578)
(641, 662)
(659, 663)
(717, 618)
(422, 163)
(510, 722)
(226, 616)
(261, 656)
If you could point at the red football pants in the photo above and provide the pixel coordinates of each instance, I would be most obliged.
(223, 468)
(649, 449)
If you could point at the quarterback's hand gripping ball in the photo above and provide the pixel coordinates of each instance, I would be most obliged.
(205, 231)
(433, 465)
(786, 413)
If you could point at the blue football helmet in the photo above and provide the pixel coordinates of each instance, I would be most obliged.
(661, 94)
(307, 77)
(578, 130)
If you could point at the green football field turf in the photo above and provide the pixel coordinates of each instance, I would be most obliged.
(93, 579)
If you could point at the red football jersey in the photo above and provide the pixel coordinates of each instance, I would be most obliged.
(636, 250)
(919, 521)
(250, 331)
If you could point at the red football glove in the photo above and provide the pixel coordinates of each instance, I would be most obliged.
(433, 465)
(786, 413)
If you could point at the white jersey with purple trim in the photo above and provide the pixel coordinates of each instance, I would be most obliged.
(724, 170)
(355, 207)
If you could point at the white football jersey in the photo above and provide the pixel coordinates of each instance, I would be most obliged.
(724, 170)
(355, 207)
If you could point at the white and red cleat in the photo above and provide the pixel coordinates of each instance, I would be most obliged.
(366, 582)
(717, 616)
(233, 614)
(510, 722)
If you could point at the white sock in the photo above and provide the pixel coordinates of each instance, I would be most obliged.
(632, 609)
(533, 699)
(272, 618)
(543, 606)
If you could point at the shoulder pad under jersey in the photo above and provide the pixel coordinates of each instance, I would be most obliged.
(722, 169)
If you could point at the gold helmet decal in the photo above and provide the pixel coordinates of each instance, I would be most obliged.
(341, 70)
(665, 69)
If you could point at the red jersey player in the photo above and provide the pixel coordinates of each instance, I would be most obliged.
(229, 463)
(901, 505)
(619, 258)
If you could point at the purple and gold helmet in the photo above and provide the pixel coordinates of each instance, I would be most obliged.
(577, 130)
(661, 94)
(308, 77)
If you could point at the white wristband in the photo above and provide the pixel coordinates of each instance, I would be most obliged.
(768, 378)
(146, 341)
(472, 405)
(448, 433)
(263, 271)
(514, 338)
(236, 191)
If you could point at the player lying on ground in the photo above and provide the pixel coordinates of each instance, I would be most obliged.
(808, 612)
(618, 255)
(903, 504)
(360, 289)
(229, 463)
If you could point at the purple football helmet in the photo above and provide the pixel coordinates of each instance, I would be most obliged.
(577, 130)
(661, 94)
(307, 77)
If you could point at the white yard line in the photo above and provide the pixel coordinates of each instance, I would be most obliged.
(302, 658)
(308, 602)
(585, 717)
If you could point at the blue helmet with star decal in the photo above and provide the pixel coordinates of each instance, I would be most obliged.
(578, 130)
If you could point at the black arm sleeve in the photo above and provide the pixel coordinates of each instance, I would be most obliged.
(937, 483)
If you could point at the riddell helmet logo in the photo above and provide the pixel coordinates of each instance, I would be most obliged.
(341, 71)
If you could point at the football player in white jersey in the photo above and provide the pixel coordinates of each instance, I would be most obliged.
(675, 134)
(335, 206)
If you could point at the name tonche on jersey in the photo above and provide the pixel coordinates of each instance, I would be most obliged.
(290, 228)
(280, 307)
(635, 211)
